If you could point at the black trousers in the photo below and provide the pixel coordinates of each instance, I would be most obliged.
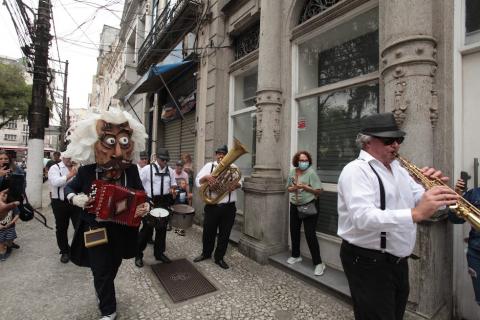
(63, 213)
(219, 217)
(146, 231)
(378, 283)
(309, 225)
(104, 262)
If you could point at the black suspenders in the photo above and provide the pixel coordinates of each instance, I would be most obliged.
(383, 235)
(58, 188)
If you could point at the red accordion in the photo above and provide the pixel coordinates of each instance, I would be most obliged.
(115, 203)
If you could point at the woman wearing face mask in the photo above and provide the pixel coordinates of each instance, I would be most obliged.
(304, 186)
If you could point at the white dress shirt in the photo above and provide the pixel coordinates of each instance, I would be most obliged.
(168, 180)
(360, 219)
(207, 170)
(57, 177)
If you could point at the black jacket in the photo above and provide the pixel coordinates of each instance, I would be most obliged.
(121, 238)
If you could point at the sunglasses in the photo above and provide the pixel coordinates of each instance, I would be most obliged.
(389, 141)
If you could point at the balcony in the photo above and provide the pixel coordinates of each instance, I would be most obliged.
(126, 80)
(169, 29)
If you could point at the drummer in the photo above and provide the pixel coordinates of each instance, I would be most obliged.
(159, 183)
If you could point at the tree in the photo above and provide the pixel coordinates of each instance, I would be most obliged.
(15, 94)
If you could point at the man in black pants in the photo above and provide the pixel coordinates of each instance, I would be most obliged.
(59, 175)
(379, 205)
(107, 156)
(159, 183)
(219, 216)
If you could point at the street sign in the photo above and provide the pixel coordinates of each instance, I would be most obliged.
(52, 130)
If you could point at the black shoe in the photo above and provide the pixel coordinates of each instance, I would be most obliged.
(163, 258)
(64, 258)
(14, 246)
(222, 264)
(201, 258)
(139, 262)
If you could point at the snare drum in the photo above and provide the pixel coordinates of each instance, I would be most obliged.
(157, 217)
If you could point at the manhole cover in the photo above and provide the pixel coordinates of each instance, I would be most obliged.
(182, 280)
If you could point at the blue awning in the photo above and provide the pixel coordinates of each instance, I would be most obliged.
(151, 81)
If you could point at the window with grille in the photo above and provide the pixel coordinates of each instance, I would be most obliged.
(337, 84)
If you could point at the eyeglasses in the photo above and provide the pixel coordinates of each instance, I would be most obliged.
(389, 141)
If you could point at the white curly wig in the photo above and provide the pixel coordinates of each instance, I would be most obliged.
(83, 135)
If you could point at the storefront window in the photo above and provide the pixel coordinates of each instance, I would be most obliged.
(337, 85)
(328, 124)
(243, 121)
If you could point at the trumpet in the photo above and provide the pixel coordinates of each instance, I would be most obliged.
(462, 208)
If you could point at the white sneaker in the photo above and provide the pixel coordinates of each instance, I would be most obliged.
(293, 260)
(109, 317)
(319, 269)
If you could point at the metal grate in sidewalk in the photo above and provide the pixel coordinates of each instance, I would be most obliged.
(182, 280)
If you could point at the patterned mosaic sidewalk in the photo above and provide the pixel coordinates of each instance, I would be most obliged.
(35, 285)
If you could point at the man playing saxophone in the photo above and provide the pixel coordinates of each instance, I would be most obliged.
(219, 216)
(379, 204)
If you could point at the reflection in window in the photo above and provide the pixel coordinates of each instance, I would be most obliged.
(332, 136)
(472, 21)
(245, 90)
(346, 51)
(243, 120)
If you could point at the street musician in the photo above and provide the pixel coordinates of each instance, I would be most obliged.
(106, 144)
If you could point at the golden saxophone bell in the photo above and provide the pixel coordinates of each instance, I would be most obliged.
(226, 175)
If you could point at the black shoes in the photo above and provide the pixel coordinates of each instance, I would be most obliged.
(139, 262)
(64, 258)
(14, 246)
(163, 258)
(201, 258)
(222, 264)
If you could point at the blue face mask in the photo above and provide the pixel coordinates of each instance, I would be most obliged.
(303, 165)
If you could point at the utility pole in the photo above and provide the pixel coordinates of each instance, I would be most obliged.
(37, 113)
(63, 121)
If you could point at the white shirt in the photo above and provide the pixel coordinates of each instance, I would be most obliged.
(57, 177)
(206, 170)
(168, 180)
(360, 219)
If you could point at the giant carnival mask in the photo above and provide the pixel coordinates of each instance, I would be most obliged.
(114, 148)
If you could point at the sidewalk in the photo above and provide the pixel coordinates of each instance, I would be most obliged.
(36, 285)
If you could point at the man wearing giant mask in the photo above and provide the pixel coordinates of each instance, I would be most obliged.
(105, 144)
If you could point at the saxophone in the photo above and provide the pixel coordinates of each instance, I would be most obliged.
(227, 176)
(462, 208)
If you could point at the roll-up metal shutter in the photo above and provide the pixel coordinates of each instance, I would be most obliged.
(180, 137)
(188, 135)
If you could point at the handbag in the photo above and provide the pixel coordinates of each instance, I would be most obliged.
(307, 210)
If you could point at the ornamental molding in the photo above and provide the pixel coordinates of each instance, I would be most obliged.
(269, 102)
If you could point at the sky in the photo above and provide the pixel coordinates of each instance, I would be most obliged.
(78, 24)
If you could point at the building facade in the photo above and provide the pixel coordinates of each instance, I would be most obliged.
(286, 75)
(289, 75)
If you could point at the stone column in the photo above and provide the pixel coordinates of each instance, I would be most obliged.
(265, 207)
(408, 66)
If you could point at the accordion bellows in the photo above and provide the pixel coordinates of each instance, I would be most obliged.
(115, 203)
